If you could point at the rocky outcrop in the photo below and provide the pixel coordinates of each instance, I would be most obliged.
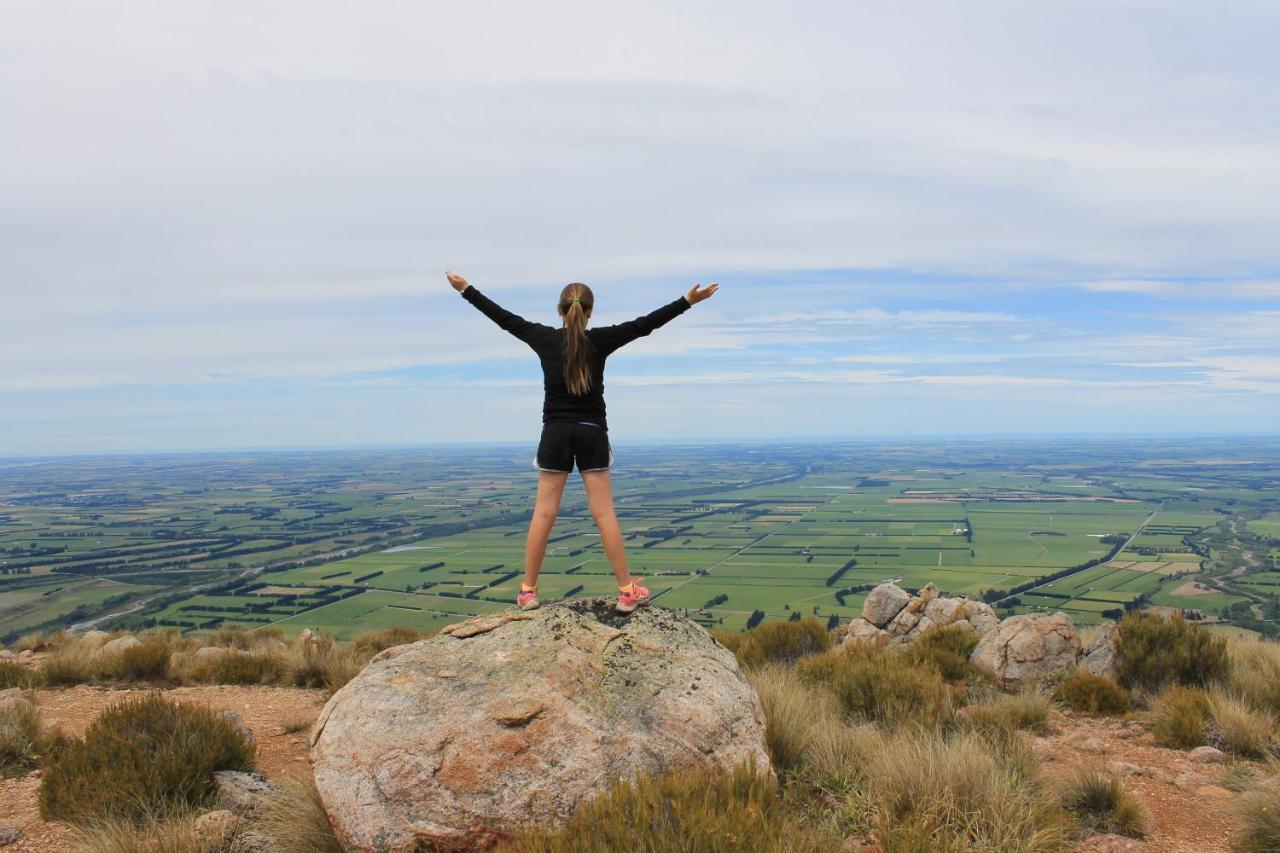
(512, 720)
(1100, 655)
(892, 616)
(1025, 650)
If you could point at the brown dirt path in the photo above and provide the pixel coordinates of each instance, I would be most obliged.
(264, 709)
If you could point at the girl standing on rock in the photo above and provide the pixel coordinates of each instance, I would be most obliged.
(574, 429)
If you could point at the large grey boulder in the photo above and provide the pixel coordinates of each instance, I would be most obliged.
(883, 603)
(1025, 650)
(512, 720)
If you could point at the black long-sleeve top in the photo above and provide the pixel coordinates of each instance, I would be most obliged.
(558, 404)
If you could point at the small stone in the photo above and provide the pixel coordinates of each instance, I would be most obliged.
(1188, 781)
(1124, 768)
(215, 828)
(25, 655)
(1207, 755)
(1160, 775)
(210, 653)
(6, 655)
(241, 792)
(9, 835)
(1092, 744)
(1110, 844)
(1147, 740)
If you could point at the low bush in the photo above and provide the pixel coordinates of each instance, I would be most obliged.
(882, 688)
(1259, 814)
(1100, 803)
(147, 661)
(16, 675)
(20, 736)
(142, 758)
(1244, 730)
(1152, 651)
(237, 667)
(945, 649)
(697, 810)
(292, 818)
(782, 642)
(369, 644)
(1028, 710)
(1084, 692)
(1180, 717)
(935, 792)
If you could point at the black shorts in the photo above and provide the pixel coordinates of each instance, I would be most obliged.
(564, 442)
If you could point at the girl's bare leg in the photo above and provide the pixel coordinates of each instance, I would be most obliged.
(545, 509)
(600, 497)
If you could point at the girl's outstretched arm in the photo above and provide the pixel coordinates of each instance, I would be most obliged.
(611, 338)
(523, 329)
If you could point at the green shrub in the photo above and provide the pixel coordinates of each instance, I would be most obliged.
(144, 756)
(1152, 651)
(695, 810)
(1259, 813)
(148, 661)
(882, 688)
(1087, 693)
(945, 649)
(369, 644)
(16, 675)
(782, 642)
(1100, 802)
(1180, 717)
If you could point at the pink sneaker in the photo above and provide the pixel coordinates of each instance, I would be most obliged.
(633, 598)
(528, 600)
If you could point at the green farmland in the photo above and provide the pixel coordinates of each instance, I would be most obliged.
(347, 542)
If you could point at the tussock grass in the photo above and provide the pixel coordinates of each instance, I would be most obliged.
(805, 732)
(293, 818)
(16, 675)
(1087, 693)
(236, 667)
(143, 758)
(21, 736)
(1255, 673)
(697, 810)
(172, 833)
(946, 650)
(148, 661)
(72, 663)
(319, 662)
(1245, 731)
(778, 642)
(1259, 815)
(373, 642)
(297, 724)
(882, 688)
(1028, 710)
(1180, 717)
(1099, 802)
(930, 791)
(1152, 651)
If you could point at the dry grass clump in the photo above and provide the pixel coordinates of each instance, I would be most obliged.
(41, 642)
(22, 737)
(142, 758)
(293, 818)
(71, 663)
(170, 833)
(236, 667)
(1259, 814)
(697, 810)
(16, 675)
(1152, 651)
(1028, 710)
(882, 688)
(373, 642)
(1100, 803)
(1180, 717)
(147, 661)
(945, 649)
(1084, 692)
(320, 662)
(1255, 673)
(928, 791)
(1245, 731)
(805, 732)
(778, 642)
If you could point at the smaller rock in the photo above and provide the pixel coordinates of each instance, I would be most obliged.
(9, 835)
(1124, 768)
(209, 653)
(25, 655)
(1092, 744)
(119, 645)
(6, 655)
(238, 723)
(1207, 755)
(214, 830)
(1110, 844)
(95, 637)
(241, 792)
(1188, 781)
(862, 632)
(1147, 740)
(306, 634)
(1160, 775)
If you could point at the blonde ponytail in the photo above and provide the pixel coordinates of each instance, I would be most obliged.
(576, 301)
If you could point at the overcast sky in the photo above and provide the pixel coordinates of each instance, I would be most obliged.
(225, 224)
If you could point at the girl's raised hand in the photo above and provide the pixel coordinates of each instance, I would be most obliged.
(459, 283)
(698, 293)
